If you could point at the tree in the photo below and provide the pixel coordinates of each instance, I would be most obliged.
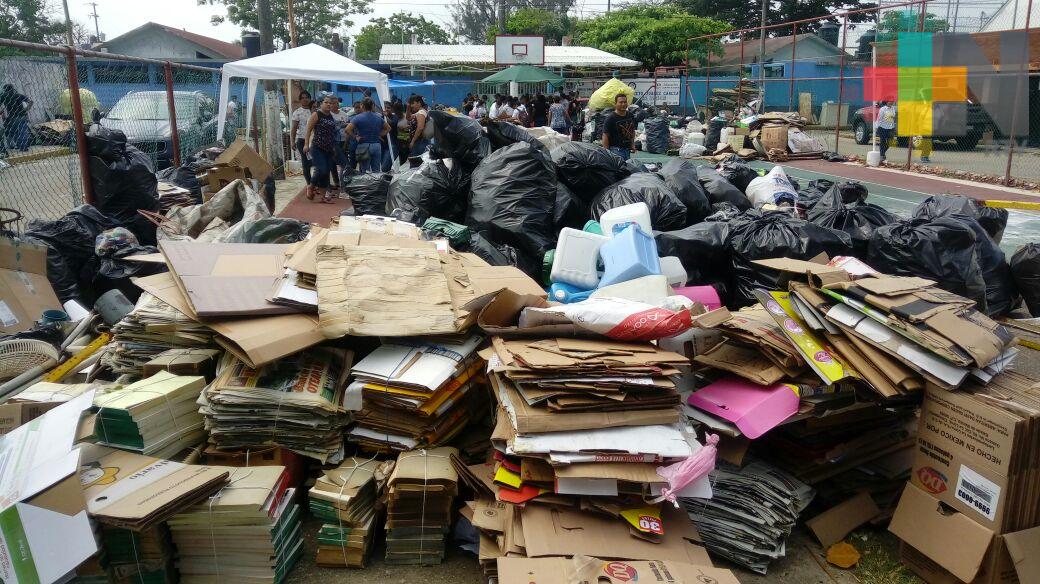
(316, 20)
(897, 21)
(536, 22)
(653, 35)
(476, 20)
(399, 28)
(746, 14)
(34, 21)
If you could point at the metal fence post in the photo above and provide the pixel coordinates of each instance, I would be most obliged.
(1018, 89)
(841, 82)
(740, 75)
(77, 120)
(910, 139)
(171, 103)
(794, 48)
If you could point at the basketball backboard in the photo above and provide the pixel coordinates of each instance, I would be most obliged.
(519, 50)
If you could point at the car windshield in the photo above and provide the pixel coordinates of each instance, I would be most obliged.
(152, 106)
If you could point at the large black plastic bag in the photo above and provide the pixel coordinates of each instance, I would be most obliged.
(681, 176)
(71, 261)
(858, 220)
(720, 190)
(569, 211)
(737, 172)
(1025, 265)
(512, 196)
(414, 192)
(502, 134)
(270, 230)
(703, 250)
(502, 255)
(635, 166)
(123, 180)
(757, 235)
(367, 192)
(666, 210)
(722, 212)
(714, 133)
(992, 219)
(940, 249)
(460, 138)
(586, 168)
(657, 135)
(811, 194)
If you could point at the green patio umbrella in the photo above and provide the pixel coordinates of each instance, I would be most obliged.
(523, 74)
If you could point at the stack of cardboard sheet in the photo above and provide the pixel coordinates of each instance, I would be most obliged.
(156, 416)
(38, 399)
(139, 556)
(150, 329)
(345, 499)
(296, 402)
(586, 569)
(750, 514)
(973, 488)
(417, 392)
(249, 531)
(420, 495)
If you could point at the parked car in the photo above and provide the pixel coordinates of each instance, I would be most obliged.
(144, 117)
(978, 122)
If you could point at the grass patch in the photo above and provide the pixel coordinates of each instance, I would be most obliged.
(879, 562)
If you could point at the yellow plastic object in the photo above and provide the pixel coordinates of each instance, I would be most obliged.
(603, 98)
(843, 555)
(58, 373)
(645, 519)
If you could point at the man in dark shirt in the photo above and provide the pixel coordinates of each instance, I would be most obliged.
(619, 129)
(16, 117)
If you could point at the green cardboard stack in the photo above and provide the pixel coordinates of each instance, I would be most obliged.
(156, 416)
(345, 499)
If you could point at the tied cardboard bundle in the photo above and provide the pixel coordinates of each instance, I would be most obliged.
(152, 328)
(345, 499)
(297, 403)
(417, 393)
(138, 556)
(37, 400)
(249, 531)
(155, 416)
(420, 495)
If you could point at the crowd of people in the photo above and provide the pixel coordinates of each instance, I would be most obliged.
(559, 111)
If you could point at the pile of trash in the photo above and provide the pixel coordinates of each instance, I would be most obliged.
(557, 361)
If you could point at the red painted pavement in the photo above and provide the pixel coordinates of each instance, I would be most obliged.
(313, 211)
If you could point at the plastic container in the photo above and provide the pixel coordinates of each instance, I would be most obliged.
(629, 255)
(592, 226)
(547, 264)
(567, 294)
(674, 270)
(694, 138)
(617, 217)
(874, 158)
(648, 289)
(706, 295)
(575, 260)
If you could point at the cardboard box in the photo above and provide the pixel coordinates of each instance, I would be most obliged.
(14, 415)
(242, 155)
(584, 569)
(218, 177)
(44, 529)
(25, 291)
(773, 137)
(736, 142)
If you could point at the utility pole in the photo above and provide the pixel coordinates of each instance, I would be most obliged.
(272, 125)
(762, 60)
(608, 6)
(97, 29)
(68, 23)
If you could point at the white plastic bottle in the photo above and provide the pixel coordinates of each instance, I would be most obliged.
(577, 253)
(638, 213)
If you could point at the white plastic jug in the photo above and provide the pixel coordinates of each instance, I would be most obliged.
(648, 289)
(637, 213)
(673, 269)
(694, 138)
(575, 260)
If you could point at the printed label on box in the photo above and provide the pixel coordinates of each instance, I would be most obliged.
(978, 492)
(7, 318)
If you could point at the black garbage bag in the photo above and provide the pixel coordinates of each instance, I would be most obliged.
(124, 185)
(415, 193)
(720, 190)
(635, 166)
(71, 261)
(1025, 265)
(502, 134)
(587, 169)
(681, 176)
(115, 272)
(858, 220)
(993, 220)
(184, 176)
(511, 199)
(569, 211)
(106, 144)
(812, 193)
(940, 249)
(367, 192)
(501, 255)
(713, 133)
(721, 212)
(597, 120)
(703, 250)
(657, 136)
(271, 230)
(852, 191)
(460, 138)
(737, 172)
(757, 235)
(667, 212)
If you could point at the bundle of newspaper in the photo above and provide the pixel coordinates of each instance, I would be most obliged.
(345, 500)
(750, 514)
(155, 416)
(152, 328)
(418, 392)
(296, 402)
(142, 557)
(421, 492)
(248, 532)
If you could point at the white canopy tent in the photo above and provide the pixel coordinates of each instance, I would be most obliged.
(309, 62)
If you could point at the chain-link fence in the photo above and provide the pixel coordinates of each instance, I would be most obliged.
(51, 97)
(973, 87)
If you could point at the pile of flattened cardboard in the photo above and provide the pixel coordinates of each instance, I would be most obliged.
(420, 495)
(346, 499)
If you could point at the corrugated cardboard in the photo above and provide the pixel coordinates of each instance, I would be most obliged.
(1024, 548)
(500, 316)
(242, 155)
(249, 339)
(227, 279)
(997, 566)
(550, 531)
(583, 569)
(25, 291)
(746, 362)
(14, 415)
(773, 137)
(218, 177)
(834, 524)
